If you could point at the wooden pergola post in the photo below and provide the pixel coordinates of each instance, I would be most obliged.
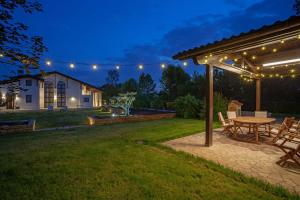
(209, 105)
(258, 94)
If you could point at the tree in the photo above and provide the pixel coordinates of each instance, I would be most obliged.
(297, 7)
(17, 48)
(130, 85)
(112, 77)
(146, 84)
(123, 101)
(175, 82)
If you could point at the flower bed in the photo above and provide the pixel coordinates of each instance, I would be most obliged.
(100, 120)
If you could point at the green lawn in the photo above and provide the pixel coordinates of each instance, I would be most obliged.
(111, 162)
(48, 119)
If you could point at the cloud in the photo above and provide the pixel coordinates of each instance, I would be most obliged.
(208, 28)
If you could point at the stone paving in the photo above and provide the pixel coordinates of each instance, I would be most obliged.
(256, 160)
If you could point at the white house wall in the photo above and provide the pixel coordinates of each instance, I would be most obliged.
(75, 95)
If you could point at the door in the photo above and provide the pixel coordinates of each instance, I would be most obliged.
(10, 101)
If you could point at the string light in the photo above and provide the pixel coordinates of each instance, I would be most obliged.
(95, 67)
(253, 57)
(1, 55)
(48, 62)
(292, 70)
(282, 41)
(244, 53)
(235, 60)
(299, 36)
(185, 63)
(258, 68)
(225, 57)
(274, 50)
(263, 48)
(141, 67)
(210, 55)
(163, 66)
(72, 65)
(117, 67)
(293, 76)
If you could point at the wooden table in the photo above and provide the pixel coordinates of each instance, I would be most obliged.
(254, 122)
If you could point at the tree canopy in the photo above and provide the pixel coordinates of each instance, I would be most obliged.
(17, 47)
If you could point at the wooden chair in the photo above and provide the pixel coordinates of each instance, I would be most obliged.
(263, 114)
(231, 115)
(283, 129)
(290, 154)
(226, 124)
(295, 127)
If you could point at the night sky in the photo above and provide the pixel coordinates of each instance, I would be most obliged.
(141, 31)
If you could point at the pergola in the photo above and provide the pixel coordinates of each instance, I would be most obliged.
(268, 52)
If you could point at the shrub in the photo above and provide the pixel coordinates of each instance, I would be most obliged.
(188, 107)
(220, 105)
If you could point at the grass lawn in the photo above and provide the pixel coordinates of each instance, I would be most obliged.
(46, 119)
(111, 162)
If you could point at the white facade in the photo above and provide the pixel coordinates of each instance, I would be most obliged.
(54, 90)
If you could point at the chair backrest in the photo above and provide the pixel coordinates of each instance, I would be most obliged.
(288, 122)
(221, 119)
(263, 114)
(231, 114)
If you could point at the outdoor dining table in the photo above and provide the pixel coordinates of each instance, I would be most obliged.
(251, 122)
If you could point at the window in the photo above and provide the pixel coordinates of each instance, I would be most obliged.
(61, 94)
(86, 99)
(48, 94)
(28, 98)
(28, 82)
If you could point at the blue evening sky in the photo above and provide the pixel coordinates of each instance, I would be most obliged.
(141, 31)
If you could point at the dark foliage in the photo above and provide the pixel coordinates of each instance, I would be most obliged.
(297, 7)
(188, 107)
(112, 77)
(17, 48)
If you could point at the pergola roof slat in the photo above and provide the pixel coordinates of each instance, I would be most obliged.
(254, 38)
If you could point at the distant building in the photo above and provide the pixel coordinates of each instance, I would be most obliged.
(49, 91)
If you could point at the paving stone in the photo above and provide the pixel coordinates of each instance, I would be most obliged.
(257, 160)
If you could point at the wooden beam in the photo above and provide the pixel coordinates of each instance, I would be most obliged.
(209, 105)
(215, 62)
(258, 94)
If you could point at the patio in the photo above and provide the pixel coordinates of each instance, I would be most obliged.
(255, 160)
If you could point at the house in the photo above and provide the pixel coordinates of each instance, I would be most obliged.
(50, 90)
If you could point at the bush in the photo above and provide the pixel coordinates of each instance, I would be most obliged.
(157, 102)
(188, 107)
(220, 105)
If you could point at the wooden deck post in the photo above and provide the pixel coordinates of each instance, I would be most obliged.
(209, 105)
(258, 94)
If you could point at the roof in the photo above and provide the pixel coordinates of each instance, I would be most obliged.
(15, 78)
(290, 25)
(40, 78)
(69, 77)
